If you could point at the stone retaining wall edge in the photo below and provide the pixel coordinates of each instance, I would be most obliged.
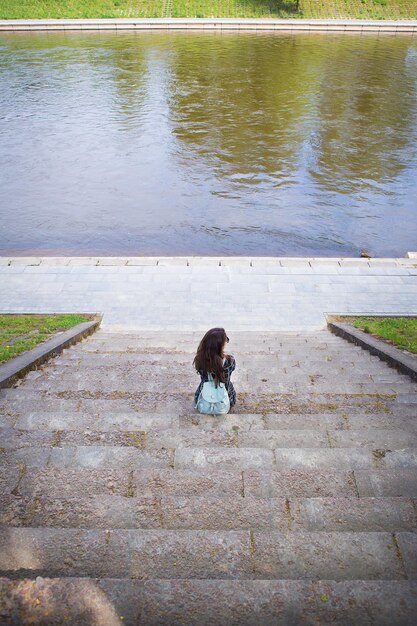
(404, 363)
(379, 26)
(18, 367)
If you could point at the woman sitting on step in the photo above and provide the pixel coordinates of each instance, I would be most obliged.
(215, 394)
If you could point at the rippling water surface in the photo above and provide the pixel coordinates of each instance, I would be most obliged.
(208, 144)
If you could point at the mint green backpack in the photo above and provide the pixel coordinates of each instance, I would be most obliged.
(213, 400)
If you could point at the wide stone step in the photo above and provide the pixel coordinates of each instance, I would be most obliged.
(272, 439)
(128, 458)
(186, 355)
(69, 482)
(386, 483)
(353, 514)
(149, 439)
(62, 482)
(19, 401)
(155, 401)
(235, 554)
(335, 382)
(133, 457)
(108, 422)
(178, 602)
(375, 439)
(14, 439)
(158, 482)
(150, 512)
(251, 342)
(312, 483)
(86, 418)
(278, 355)
(120, 343)
(154, 439)
(293, 458)
(97, 359)
(211, 513)
(100, 418)
(13, 400)
(340, 360)
(160, 385)
(296, 421)
(400, 420)
(136, 375)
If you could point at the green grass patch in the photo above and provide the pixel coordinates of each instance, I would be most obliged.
(19, 333)
(400, 331)
(331, 9)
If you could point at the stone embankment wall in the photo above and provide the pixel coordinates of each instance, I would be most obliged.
(345, 25)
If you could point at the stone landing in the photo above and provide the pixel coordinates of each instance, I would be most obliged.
(180, 293)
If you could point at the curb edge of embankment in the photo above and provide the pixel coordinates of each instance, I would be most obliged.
(18, 367)
(405, 363)
(217, 24)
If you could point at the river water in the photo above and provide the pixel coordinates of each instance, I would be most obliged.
(208, 144)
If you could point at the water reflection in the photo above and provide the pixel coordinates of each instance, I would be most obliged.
(187, 143)
(367, 132)
(244, 110)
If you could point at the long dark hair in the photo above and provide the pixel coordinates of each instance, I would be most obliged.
(209, 357)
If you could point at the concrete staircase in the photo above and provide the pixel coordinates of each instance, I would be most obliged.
(121, 505)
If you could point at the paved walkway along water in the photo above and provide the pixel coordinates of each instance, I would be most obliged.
(197, 293)
(298, 508)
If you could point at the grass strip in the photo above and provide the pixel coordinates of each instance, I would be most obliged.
(19, 333)
(311, 9)
(399, 331)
